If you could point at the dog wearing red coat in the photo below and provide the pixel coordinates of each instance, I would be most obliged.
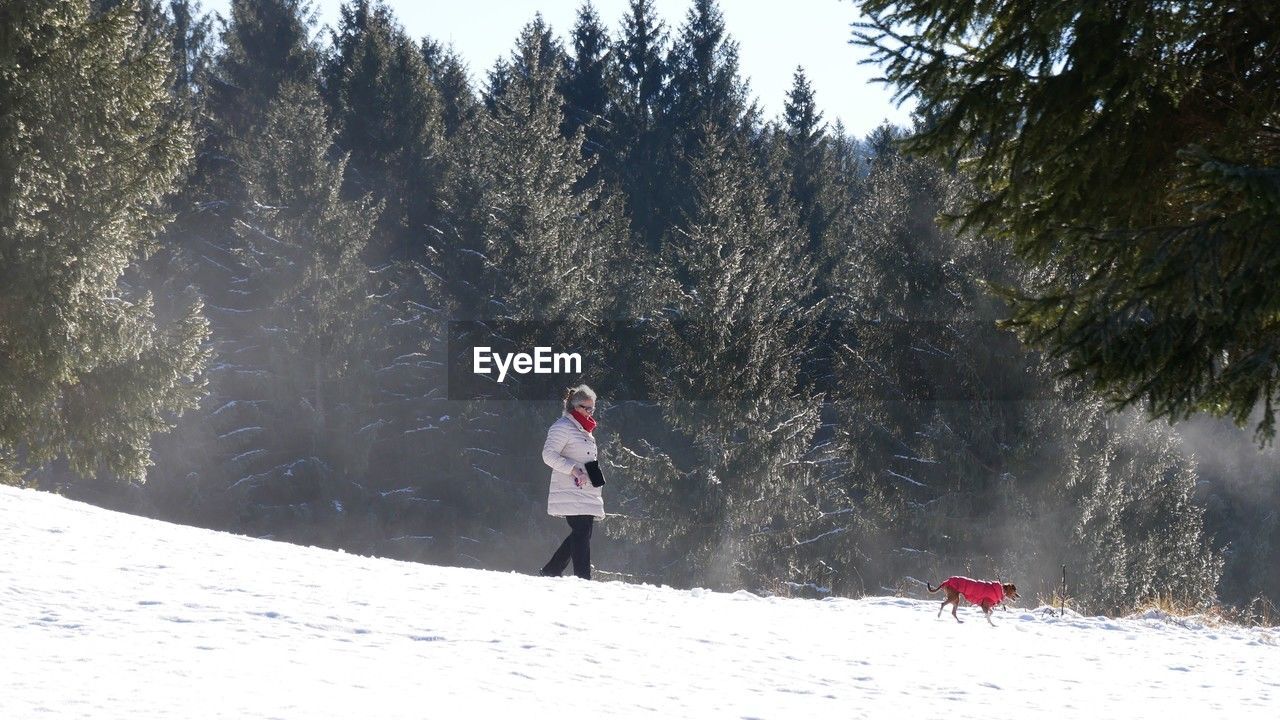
(983, 593)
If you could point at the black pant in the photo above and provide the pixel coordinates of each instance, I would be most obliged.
(577, 546)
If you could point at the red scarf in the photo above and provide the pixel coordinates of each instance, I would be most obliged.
(587, 422)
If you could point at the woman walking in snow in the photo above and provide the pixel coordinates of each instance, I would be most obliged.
(569, 447)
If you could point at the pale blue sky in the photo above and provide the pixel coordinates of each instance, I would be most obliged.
(773, 38)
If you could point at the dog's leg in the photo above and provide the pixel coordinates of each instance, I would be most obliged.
(986, 612)
(954, 598)
(943, 607)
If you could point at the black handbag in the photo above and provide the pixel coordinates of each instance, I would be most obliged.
(593, 471)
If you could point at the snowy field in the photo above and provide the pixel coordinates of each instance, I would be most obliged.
(113, 616)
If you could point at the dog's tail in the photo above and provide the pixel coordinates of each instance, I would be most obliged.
(933, 589)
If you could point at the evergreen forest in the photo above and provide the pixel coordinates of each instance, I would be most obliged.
(1003, 342)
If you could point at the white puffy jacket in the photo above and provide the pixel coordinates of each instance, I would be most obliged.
(569, 445)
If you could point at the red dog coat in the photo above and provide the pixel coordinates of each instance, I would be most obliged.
(976, 591)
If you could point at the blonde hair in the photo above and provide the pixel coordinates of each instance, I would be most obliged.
(575, 395)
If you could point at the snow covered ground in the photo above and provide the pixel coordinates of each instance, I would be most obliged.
(113, 616)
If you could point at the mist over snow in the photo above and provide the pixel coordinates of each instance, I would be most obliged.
(114, 616)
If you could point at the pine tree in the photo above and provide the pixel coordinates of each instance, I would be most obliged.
(641, 65)
(449, 75)
(301, 245)
(181, 24)
(391, 119)
(705, 90)
(1129, 151)
(533, 229)
(154, 20)
(1124, 492)
(388, 115)
(266, 44)
(171, 273)
(813, 175)
(276, 251)
(705, 94)
(822, 174)
(586, 84)
(89, 148)
(725, 492)
(539, 55)
(192, 39)
(952, 438)
(896, 369)
(847, 166)
(926, 397)
(634, 142)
